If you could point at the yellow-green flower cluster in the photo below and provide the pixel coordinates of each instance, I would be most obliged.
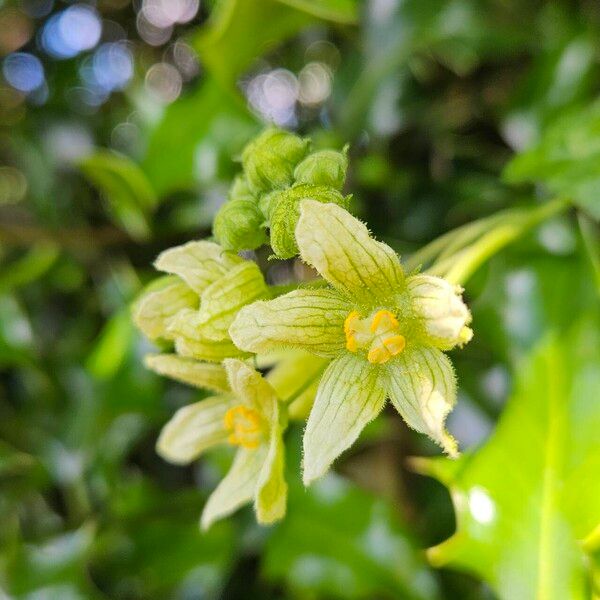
(278, 173)
(336, 351)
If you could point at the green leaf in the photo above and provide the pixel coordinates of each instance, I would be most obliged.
(207, 122)
(528, 502)
(112, 346)
(339, 11)
(566, 160)
(338, 541)
(124, 185)
(29, 267)
(241, 30)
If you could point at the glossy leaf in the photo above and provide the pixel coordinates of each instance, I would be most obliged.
(528, 502)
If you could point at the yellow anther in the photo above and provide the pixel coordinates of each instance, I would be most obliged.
(350, 329)
(378, 334)
(385, 320)
(246, 426)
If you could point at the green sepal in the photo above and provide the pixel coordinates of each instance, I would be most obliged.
(285, 212)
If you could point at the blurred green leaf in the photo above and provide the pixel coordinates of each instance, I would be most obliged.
(528, 502)
(239, 31)
(55, 563)
(590, 232)
(339, 11)
(129, 193)
(112, 346)
(209, 125)
(155, 545)
(339, 541)
(567, 159)
(29, 267)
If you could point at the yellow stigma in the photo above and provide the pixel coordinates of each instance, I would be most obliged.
(378, 334)
(246, 426)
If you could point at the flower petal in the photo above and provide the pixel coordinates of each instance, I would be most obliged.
(294, 373)
(348, 398)
(197, 263)
(440, 309)
(221, 301)
(271, 492)
(237, 488)
(309, 319)
(341, 249)
(193, 429)
(421, 385)
(156, 307)
(203, 349)
(211, 376)
(184, 329)
(250, 386)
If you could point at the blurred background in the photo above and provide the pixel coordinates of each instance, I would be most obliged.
(120, 126)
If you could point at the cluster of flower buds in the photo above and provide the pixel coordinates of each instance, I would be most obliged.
(279, 171)
(335, 352)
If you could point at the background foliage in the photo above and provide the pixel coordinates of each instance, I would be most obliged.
(117, 135)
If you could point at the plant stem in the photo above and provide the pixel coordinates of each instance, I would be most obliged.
(499, 237)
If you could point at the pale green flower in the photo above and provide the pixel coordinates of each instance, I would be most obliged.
(383, 331)
(196, 303)
(249, 418)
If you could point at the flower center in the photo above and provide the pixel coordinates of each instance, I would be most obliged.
(379, 333)
(246, 426)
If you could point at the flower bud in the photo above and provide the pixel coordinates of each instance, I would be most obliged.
(239, 225)
(439, 306)
(326, 167)
(240, 190)
(269, 160)
(284, 212)
(269, 200)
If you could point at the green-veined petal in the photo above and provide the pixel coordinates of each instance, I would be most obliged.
(162, 300)
(221, 301)
(211, 376)
(189, 341)
(271, 491)
(251, 387)
(341, 249)
(203, 349)
(348, 398)
(237, 488)
(311, 320)
(421, 385)
(194, 428)
(197, 263)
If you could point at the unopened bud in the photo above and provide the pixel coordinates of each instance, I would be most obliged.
(269, 160)
(240, 190)
(325, 167)
(440, 308)
(239, 225)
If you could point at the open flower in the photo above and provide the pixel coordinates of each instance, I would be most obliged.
(385, 333)
(248, 418)
(195, 304)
